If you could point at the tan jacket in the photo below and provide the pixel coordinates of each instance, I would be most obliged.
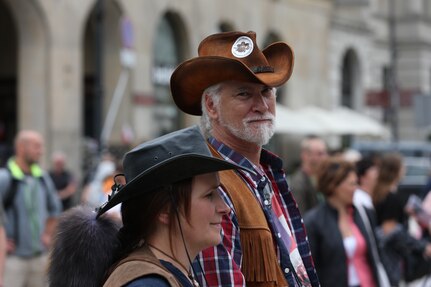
(139, 263)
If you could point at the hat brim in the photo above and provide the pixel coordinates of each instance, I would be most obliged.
(169, 171)
(192, 77)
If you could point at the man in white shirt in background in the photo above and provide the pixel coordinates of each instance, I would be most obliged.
(367, 170)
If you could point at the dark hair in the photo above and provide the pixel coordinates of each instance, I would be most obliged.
(389, 173)
(364, 164)
(331, 174)
(140, 214)
(85, 248)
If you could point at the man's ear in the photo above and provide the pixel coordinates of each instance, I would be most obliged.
(211, 108)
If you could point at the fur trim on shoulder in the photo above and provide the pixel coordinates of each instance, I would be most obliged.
(84, 249)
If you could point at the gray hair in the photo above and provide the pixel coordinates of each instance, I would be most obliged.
(214, 93)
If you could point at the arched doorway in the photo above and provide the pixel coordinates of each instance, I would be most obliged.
(102, 44)
(8, 82)
(350, 82)
(226, 27)
(350, 86)
(101, 70)
(169, 49)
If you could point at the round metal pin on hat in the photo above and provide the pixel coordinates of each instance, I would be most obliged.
(229, 56)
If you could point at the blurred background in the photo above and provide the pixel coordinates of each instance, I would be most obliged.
(94, 75)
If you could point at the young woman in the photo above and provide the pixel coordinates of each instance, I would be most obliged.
(338, 237)
(170, 210)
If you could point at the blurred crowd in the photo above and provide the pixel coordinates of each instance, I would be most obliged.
(358, 221)
(34, 198)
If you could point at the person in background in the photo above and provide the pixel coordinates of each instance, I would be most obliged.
(352, 155)
(97, 191)
(232, 85)
(389, 206)
(338, 237)
(392, 219)
(171, 209)
(63, 179)
(367, 170)
(32, 206)
(303, 181)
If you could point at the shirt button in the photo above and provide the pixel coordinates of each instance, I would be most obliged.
(266, 202)
(278, 235)
(286, 270)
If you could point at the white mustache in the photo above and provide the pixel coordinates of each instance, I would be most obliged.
(261, 118)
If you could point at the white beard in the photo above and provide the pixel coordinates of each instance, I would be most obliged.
(259, 135)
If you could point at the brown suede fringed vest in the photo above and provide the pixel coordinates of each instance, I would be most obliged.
(259, 264)
(139, 263)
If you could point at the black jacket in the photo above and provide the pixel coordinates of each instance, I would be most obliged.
(327, 246)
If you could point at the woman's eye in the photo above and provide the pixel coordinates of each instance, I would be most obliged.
(211, 194)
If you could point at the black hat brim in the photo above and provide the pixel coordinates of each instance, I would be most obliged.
(167, 172)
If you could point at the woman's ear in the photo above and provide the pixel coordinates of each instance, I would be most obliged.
(164, 217)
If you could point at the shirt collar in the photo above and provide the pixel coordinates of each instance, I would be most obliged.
(267, 159)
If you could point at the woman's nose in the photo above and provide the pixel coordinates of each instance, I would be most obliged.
(221, 206)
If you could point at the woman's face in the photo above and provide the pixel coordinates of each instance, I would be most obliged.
(345, 190)
(206, 211)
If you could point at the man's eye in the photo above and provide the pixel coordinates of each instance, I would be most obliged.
(267, 91)
(243, 94)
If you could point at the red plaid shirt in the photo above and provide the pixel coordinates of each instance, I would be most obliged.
(222, 264)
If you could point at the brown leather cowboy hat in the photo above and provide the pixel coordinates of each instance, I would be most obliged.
(229, 56)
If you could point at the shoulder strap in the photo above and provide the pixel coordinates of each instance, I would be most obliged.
(11, 191)
(382, 276)
(9, 196)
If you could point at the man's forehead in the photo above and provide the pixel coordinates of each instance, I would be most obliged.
(317, 145)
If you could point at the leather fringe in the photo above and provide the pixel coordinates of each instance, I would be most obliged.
(258, 256)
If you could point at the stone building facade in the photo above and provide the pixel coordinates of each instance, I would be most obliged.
(60, 63)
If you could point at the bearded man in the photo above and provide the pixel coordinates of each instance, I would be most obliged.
(231, 84)
(32, 208)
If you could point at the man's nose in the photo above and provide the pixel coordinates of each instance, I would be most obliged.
(260, 103)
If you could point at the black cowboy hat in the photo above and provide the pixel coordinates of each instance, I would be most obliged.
(168, 159)
(229, 56)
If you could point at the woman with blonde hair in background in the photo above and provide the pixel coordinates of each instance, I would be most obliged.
(338, 237)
